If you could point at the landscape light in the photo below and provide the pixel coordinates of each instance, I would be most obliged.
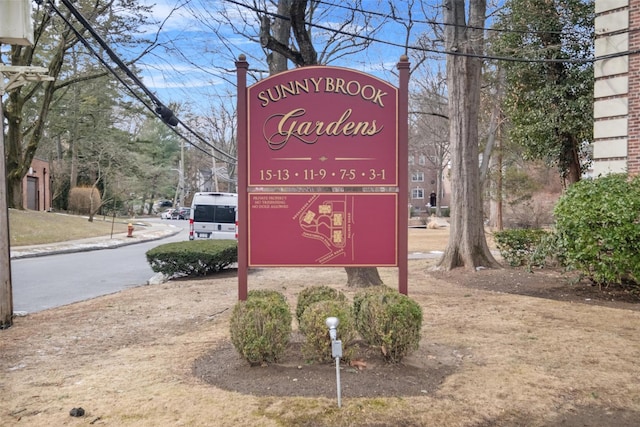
(332, 323)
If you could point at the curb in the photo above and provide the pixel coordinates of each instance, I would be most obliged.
(92, 244)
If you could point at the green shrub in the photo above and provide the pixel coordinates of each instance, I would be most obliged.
(549, 252)
(598, 224)
(313, 294)
(193, 257)
(266, 293)
(364, 294)
(261, 327)
(388, 320)
(317, 345)
(517, 247)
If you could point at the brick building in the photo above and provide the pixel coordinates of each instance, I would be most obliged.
(616, 129)
(422, 183)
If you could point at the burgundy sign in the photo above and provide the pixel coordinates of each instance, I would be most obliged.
(316, 229)
(322, 126)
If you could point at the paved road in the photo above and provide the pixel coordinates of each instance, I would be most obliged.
(49, 281)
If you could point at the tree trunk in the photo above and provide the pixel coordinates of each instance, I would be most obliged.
(20, 153)
(281, 29)
(16, 169)
(362, 277)
(495, 204)
(467, 245)
(571, 158)
(494, 125)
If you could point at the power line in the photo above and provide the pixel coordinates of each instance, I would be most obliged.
(91, 50)
(396, 18)
(160, 110)
(438, 51)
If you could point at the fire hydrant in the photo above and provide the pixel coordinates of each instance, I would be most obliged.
(130, 230)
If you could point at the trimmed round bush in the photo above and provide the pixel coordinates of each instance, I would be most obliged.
(317, 345)
(388, 320)
(261, 327)
(313, 294)
(84, 200)
(598, 223)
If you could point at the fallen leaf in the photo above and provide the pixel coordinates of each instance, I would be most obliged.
(360, 364)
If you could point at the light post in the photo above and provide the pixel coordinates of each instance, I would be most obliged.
(336, 350)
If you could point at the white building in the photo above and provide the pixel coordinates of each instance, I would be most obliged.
(616, 129)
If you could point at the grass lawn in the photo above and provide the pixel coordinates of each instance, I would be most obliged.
(34, 227)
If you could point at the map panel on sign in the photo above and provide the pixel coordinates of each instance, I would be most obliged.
(313, 229)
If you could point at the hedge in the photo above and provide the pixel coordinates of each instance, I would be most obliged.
(193, 257)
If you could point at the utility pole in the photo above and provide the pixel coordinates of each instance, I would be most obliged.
(6, 293)
(16, 28)
(182, 172)
(214, 171)
(17, 76)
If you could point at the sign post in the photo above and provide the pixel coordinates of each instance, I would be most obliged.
(403, 170)
(242, 65)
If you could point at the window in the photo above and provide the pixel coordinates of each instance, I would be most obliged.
(411, 160)
(417, 193)
(417, 177)
(422, 160)
(215, 213)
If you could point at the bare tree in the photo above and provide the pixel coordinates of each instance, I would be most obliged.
(491, 166)
(430, 135)
(467, 245)
(219, 127)
(28, 107)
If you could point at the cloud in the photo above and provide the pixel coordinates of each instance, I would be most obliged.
(161, 76)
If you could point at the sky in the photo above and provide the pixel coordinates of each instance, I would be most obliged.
(194, 66)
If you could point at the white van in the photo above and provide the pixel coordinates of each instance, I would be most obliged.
(213, 216)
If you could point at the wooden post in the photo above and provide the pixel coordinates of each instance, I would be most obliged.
(403, 174)
(6, 293)
(17, 76)
(243, 210)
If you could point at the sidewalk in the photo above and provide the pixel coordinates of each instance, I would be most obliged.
(142, 232)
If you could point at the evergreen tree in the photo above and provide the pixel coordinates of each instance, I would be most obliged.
(549, 98)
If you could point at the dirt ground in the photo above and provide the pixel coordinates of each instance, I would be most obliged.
(499, 348)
